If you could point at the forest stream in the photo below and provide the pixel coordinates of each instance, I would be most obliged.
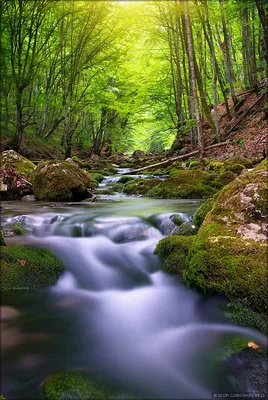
(114, 314)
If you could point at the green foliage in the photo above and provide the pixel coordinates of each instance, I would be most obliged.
(24, 268)
(72, 386)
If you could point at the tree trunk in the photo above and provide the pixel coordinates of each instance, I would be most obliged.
(229, 68)
(200, 139)
(264, 22)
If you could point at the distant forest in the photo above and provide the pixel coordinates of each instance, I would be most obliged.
(137, 74)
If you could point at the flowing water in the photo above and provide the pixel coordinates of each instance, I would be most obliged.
(113, 313)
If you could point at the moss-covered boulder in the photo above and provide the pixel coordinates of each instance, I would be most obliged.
(140, 186)
(10, 158)
(72, 386)
(238, 159)
(184, 184)
(125, 179)
(223, 179)
(59, 181)
(229, 254)
(173, 250)
(202, 211)
(24, 268)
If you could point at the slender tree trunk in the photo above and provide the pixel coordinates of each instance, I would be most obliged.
(189, 37)
(228, 62)
(264, 22)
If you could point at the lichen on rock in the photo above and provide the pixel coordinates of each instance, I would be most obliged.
(60, 181)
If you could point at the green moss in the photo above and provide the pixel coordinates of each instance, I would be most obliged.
(140, 186)
(184, 184)
(194, 165)
(227, 256)
(22, 165)
(215, 165)
(236, 168)
(240, 314)
(72, 386)
(2, 240)
(202, 211)
(125, 179)
(17, 228)
(177, 219)
(59, 181)
(110, 170)
(223, 179)
(187, 229)
(174, 250)
(24, 268)
(94, 176)
(238, 159)
(80, 163)
(117, 187)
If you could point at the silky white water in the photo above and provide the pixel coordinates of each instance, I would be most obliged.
(114, 313)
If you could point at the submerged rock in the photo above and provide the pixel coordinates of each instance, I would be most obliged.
(229, 253)
(60, 181)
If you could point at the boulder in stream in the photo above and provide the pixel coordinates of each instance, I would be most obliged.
(60, 181)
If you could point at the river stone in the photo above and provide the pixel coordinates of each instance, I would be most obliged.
(229, 253)
(29, 197)
(10, 158)
(60, 181)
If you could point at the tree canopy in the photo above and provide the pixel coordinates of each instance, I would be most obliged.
(130, 74)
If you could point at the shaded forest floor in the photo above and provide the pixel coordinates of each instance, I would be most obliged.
(250, 135)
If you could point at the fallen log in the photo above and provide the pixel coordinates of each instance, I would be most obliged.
(171, 160)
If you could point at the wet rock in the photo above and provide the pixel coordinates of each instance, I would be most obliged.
(247, 371)
(29, 197)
